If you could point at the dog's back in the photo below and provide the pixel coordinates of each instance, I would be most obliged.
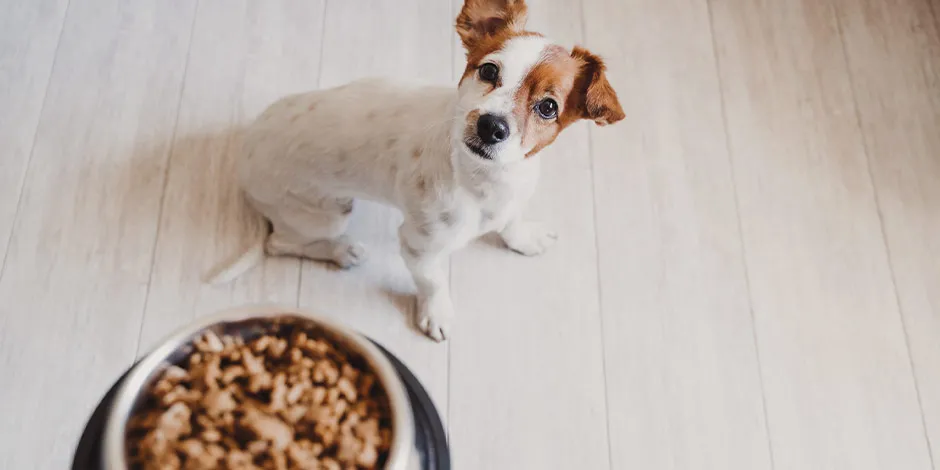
(348, 140)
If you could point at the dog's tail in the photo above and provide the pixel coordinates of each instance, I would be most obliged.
(232, 268)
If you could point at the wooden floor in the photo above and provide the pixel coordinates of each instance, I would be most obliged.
(748, 274)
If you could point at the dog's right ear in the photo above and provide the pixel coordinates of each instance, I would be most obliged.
(482, 18)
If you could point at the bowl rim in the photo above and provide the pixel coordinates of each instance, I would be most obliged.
(150, 365)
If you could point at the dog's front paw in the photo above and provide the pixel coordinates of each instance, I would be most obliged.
(348, 254)
(435, 317)
(528, 238)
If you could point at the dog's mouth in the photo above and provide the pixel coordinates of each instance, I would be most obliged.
(478, 149)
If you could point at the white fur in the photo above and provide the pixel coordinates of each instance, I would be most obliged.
(308, 156)
(515, 60)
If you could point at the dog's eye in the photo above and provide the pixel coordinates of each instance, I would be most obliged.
(489, 72)
(547, 108)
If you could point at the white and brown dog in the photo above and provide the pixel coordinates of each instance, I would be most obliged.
(458, 165)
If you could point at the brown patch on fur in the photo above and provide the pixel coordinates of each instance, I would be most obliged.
(484, 26)
(553, 77)
(480, 19)
(577, 82)
(473, 116)
(487, 46)
(469, 130)
(594, 98)
(422, 185)
(416, 154)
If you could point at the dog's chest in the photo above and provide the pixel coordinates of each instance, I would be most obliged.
(492, 212)
(492, 201)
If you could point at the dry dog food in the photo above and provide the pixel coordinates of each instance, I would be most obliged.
(288, 401)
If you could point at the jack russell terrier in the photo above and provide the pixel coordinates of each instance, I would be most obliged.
(457, 165)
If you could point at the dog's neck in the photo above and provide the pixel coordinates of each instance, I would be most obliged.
(481, 178)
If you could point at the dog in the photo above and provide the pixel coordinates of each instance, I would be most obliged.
(457, 164)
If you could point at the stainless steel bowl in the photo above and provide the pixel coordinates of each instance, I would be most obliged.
(248, 322)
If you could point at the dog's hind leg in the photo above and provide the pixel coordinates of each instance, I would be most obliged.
(313, 227)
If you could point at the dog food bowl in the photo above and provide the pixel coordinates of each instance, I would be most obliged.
(418, 438)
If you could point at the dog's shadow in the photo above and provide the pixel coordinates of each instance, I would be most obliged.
(201, 220)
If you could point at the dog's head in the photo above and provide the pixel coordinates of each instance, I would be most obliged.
(519, 90)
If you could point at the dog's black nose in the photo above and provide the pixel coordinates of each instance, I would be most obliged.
(492, 129)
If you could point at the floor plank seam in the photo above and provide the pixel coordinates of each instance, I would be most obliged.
(32, 147)
(597, 264)
(303, 263)
(740, 230)
(881, 224)
(933, 13)
(92, 118)
(450, 264)
(166, 173)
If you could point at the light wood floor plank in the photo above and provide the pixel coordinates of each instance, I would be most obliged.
(29, 34)
(409, 41)
(126, 202)
(837, 377)
(72, 291)
(683, 380)
(893, 50)
(527, 383)
(244, 56)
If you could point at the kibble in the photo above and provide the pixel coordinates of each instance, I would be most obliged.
(291, 401)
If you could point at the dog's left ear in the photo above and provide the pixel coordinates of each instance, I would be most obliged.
(481, 18)
(595, 98)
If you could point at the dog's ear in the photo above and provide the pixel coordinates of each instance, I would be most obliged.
(481, 18)
(594, 97)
